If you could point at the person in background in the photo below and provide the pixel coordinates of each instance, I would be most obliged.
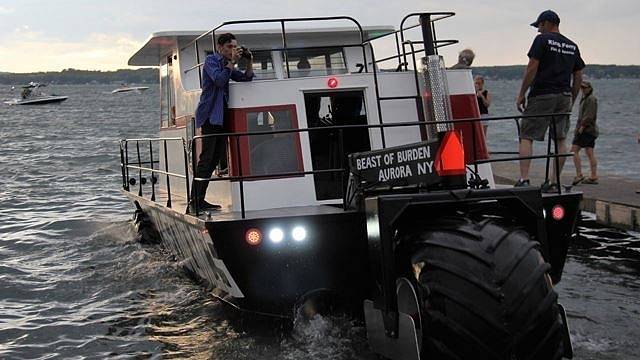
(218, 69)
(586, 134)
(465, 59)
(484, 101)
(554, 62)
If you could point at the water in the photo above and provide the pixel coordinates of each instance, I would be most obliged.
(74, 283)
(618, 119)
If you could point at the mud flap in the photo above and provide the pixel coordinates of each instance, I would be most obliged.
(566, 337)
(404, 347)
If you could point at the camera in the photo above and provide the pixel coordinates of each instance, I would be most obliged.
(245, 52)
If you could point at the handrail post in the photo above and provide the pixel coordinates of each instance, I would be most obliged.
(556, 159)
(198, 62)
(185, 145)
(140, 166)
(241, 182)
(153, 183)
(284, 45)
(548, 159)
(168, 179)
(126, 158)
(194, 196)
(122, 167)
(375, 81)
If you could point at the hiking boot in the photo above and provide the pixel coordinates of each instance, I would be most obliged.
(522, 183)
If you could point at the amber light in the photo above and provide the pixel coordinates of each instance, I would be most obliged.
(332, 82)
(253, 236)
(557, 212)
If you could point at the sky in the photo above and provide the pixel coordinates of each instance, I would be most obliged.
(45, 35)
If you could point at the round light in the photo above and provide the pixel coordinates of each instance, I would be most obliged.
(253, 236)
(299, 233)
(557, 212)
(276, 235)
(332, 82)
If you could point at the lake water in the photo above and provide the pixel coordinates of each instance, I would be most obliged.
(74, 283)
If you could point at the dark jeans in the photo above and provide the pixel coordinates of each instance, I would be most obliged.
(213, 148)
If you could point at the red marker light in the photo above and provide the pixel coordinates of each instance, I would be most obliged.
(332, 82)
(450, 155)
(557, 212)
(253, 236)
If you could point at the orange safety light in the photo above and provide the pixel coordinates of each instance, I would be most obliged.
(557, 212)
(332, 82)
(450, 156)
(253, 236)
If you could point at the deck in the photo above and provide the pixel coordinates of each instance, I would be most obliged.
(614, 200)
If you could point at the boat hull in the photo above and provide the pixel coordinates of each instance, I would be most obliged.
(270, 278)
(40, 101)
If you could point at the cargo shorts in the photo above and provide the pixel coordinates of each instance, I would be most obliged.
(535, 128)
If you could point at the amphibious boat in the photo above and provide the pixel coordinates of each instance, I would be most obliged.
(357, 178)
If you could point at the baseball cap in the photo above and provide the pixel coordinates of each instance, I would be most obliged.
(547, 15)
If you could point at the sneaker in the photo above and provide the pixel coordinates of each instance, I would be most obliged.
(547, 187)
(522, 183)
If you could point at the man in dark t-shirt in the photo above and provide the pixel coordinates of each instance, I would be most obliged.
(553, 77)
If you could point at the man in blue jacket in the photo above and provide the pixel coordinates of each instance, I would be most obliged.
(218, 69)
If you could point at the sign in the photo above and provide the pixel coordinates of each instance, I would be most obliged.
(397, 166)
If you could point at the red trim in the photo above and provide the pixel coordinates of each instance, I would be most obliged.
(238, 123)
(465, 106)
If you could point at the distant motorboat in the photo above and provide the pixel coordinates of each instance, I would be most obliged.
(125, 88)
(32, 95)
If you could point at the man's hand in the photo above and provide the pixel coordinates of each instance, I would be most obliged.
(521, 103)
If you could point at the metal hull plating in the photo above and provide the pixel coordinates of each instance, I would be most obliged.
(269, 278)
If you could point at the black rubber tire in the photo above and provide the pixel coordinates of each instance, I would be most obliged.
(485, 293)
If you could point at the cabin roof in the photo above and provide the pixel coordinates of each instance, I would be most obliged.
(161, 43)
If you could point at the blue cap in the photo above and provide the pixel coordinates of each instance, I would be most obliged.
(547, 15)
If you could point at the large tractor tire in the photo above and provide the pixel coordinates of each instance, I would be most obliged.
(485, 293)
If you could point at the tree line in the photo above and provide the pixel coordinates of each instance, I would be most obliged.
(150, 75)
(73, 76)
(515, 72)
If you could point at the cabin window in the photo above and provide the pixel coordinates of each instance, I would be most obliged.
(262, 65)
(269, 154)
(312, 62)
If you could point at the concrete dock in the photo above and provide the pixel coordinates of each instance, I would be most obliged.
(614, 199)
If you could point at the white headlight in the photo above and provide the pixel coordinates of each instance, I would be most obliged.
(299, 233)
(276, 235)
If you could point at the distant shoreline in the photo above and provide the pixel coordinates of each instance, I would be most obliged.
(150, 75)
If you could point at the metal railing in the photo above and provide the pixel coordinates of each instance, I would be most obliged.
(128, 181)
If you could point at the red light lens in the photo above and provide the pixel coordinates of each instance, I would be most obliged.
(253, 237)
(557, 212)
(450, 156)
(332, 83)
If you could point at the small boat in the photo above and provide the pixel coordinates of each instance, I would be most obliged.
(32, 95)
(125, 88)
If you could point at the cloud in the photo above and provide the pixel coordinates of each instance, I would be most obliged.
(29, 50)
(6, 10)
